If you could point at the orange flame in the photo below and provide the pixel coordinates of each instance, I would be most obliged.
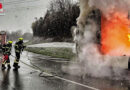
(115, 34)
(129, 37)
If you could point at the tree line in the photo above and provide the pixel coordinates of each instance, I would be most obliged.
(58, 20)
(17, 34)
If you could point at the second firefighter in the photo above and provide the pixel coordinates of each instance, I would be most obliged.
(19, 47)
(6, 53)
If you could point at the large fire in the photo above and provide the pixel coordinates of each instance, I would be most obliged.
(115, 33)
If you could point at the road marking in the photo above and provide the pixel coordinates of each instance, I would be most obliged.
(70, 81)
(83, 85)
(67, 80)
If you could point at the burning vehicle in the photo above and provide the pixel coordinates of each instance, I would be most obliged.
(104, 31)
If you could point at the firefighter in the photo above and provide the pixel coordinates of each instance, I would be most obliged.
(19, 47)
(6, 52)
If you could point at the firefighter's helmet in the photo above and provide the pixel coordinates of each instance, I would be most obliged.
(10, 42)
(20, 39)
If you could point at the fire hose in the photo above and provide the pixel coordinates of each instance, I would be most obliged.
(52, 75)
(36, 68)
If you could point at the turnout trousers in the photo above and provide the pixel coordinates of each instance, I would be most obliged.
(16, 62)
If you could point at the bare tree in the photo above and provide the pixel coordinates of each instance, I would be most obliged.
(59, 19)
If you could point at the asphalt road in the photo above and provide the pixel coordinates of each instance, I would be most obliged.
(31, 76)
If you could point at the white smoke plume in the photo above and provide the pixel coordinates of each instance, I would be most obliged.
(91, 62)
(90, 59)
(106, 7)
(110, 6)
(95, 64)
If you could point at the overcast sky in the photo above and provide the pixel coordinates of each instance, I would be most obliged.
(19, 14)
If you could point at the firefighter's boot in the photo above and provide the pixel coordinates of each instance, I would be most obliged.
(9, 67)
(3, 67)
(16, 66)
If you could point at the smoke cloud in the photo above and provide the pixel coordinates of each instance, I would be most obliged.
(106, 7)
(110, 6)
(90, 60)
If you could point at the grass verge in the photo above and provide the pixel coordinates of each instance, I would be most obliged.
(53, 52)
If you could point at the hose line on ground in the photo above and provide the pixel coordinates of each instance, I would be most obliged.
(37, 68)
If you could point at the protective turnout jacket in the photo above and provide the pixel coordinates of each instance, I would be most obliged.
(19, 47)
(6, 49)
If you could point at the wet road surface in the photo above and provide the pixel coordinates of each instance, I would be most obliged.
(29, 77)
